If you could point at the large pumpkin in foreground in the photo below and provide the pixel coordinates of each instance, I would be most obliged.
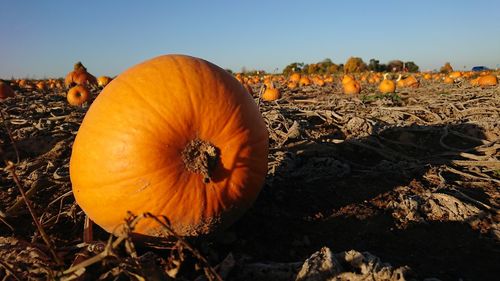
(175, 136)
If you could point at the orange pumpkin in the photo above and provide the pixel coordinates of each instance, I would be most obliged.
(78, 95)
(41, 85)
(387, 85)
(304, 81)
(411, 82)
(400, 83)
(102, 81)
(175, 136)
(271, 93)
(318, 81)
(5, 91)
(475, 81)
(347, 79)
(22, 83)
(294, 77)
(351, 87)
(448, 80)
(487, 80)
(79, 76)
(455, 74)
(328, 79)
(292, 85)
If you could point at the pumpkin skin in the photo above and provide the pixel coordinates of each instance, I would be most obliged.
(78, 95)
(448, 80)
(411, 82)
(387, 86)
(41, 85)
(455, 74)
(79, 76)
(292, 85)
(294, 77)
(487, 80)
(129, 153)
(351, 87)
(304, 81)
(347, 79)
(271, 94)
(5, 91)
(102, 81)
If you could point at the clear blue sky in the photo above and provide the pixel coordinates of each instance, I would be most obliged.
(45, 38)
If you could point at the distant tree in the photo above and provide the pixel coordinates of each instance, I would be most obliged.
(327, 66)
(332, 69)
(229, 70)
(354, 64)
(411, 66)
(293, 67)
(395, 66)
(373, 65)
(446, 68)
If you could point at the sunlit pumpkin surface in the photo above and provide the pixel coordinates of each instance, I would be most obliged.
(128, 153)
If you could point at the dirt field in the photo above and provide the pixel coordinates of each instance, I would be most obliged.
(411, 179)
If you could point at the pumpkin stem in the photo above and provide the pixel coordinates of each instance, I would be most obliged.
(201, 157)
(79, 66)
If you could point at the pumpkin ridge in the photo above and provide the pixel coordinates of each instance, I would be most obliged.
(150, 104)
(187, 85)
(222, 132)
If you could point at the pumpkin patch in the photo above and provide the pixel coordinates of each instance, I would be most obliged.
(191, 166)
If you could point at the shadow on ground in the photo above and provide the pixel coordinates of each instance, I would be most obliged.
(313, 203)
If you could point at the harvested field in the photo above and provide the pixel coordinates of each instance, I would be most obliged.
(408, 183)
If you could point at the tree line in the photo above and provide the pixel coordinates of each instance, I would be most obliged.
(353, 64)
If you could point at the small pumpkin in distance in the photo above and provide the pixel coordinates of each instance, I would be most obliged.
(487, 80)
(448, 80)
(294, 77)
(79, 76)
(347, 79)
(318, 81)
(328, 79)
(22, 83)
(271, 93)
(41, 85)
(475, 81)
(400, 83)
(411, 82)
(351, 87)
(455, 75)
(387, 85)
(78, 95)
(174, 136)
(292, 85)
(5, 90)
(304, 81)
(102, 81)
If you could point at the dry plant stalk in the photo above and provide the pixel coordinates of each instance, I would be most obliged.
(11, 168)
(9, 132)
(210, 272)
(75, 271)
